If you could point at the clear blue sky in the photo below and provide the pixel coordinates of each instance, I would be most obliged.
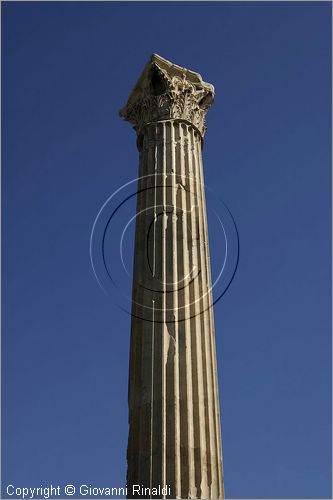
(67, 69)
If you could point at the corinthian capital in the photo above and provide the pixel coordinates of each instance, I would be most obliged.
(166, 91)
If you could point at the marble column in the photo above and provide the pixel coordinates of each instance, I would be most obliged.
(174, 415)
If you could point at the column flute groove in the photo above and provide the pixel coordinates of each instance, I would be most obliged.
(205, 318)
(164, 332)
(213, 343)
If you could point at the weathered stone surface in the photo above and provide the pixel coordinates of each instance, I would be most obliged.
(174, 420)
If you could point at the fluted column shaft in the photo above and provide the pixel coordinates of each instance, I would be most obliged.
(174, 435)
